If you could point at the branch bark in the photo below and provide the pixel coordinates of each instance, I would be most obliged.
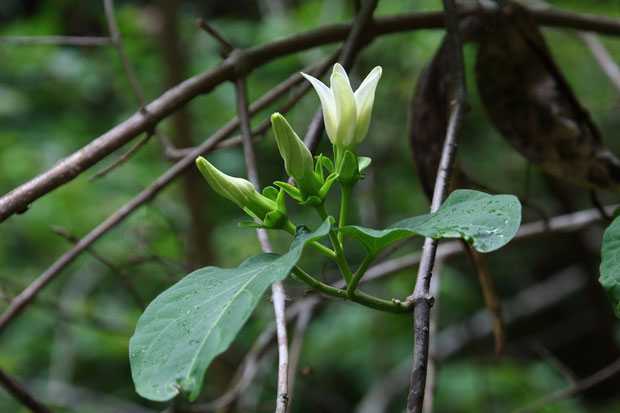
(421, 298)
(18, 200)
(16, 390)
(56, 41)
(277, 289)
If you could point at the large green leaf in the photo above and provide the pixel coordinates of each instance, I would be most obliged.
(610, 264)
(189, 324)
(486, 221)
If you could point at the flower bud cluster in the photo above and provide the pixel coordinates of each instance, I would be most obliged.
(347, 119)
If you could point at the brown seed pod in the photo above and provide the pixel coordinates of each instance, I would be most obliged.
(532, 105)
(430, 108)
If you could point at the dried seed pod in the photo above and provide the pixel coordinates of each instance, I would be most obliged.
(532, 105)
(430, 108)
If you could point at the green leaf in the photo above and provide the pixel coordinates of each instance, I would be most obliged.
(487, 222)
(610, 264)
(196, 319)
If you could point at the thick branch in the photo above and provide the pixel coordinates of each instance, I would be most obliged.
(24, 298)
(68, 168)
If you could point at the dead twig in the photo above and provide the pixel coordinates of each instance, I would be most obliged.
(108, 263)
(214, 33)
(303, 319)
(56, 41)
(590, 381)
(421, 298)
(277, 289)
(123, 157)
(19, 392)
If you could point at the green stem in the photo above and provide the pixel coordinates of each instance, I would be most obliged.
(344, 208)
(339, 253)
(290, 228)
(317, 285)
(393, 306)
(352, 286)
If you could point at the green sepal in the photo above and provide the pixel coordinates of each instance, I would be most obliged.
(325, 162)
(327, 185)
(318, 168)
(270, 192)
(250, 224)
(251, 213)
(281, 202)
(362, 163)
(290, 189)
(275, 219)
(313, 200)
(348, 173)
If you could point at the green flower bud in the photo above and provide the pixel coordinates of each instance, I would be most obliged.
(297, 158)
(298, 161)
(271, 212)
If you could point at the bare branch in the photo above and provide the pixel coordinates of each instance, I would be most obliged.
(303, 319)
(213, 33)
(431, 375)
(590, 381)
(118, 42)
(26, 296)
(452, 339)
(66, 169)
(421, 297)
(16, 390)
(108, 263)
(277, 289)
(56, 41)
(123, 157)
(602, 56)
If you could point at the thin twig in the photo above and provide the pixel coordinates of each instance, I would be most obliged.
(303, 319)
(431, 375)
(421, 298)
(56, 41)
(590, 381)
(123, 157)
(118, 42)
(602, 56)
(108, 263)
(66, 169)
(554, 361)
(213, 33)
(277, 289)
(456, 337)
(249, 366)
(15, 389)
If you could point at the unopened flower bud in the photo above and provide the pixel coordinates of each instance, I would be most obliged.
(242, 193)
